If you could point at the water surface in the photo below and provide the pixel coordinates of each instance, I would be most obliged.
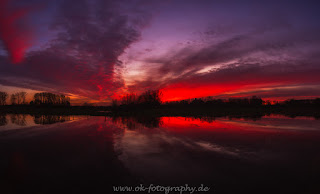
(86, 154)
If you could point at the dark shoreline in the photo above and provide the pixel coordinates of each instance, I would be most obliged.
(161, 111)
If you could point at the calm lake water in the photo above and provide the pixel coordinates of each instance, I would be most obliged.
(88, 154)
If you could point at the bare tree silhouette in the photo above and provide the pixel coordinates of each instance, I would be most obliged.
(3, 98)
(46, 98)
(13, 99)
(23, 97)
(18, 98)
(150, 98)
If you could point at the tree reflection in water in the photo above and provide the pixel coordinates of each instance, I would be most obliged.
(50, 119)
(3, 120)
(133, 123)
(18, 119)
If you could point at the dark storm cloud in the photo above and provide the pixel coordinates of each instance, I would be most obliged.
(83, 56)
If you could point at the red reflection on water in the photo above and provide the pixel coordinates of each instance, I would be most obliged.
(273, 124)
(183, 123)
(277, 116)
(203, 124)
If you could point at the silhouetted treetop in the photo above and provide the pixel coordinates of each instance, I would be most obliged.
(18, 98)
(149, 98)
(46, 98)
(3, 98)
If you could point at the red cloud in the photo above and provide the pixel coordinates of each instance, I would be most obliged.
(13, 33)
(242, 78)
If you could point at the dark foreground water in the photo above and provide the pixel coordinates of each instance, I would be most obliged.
(83, 154)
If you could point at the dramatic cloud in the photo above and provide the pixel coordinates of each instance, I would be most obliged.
(96, 50)
(267, 50)
(13, 31)
(248, 77)
(82, 58)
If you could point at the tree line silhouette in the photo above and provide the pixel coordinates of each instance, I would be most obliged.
(252, 107)
(17, 98)
(210, 101)
(151, 103)
(148, 99)
(3, 98)
(46, 98)
(42, 99)
(152, 99)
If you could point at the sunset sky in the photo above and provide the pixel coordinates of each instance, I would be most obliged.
(96, 50)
